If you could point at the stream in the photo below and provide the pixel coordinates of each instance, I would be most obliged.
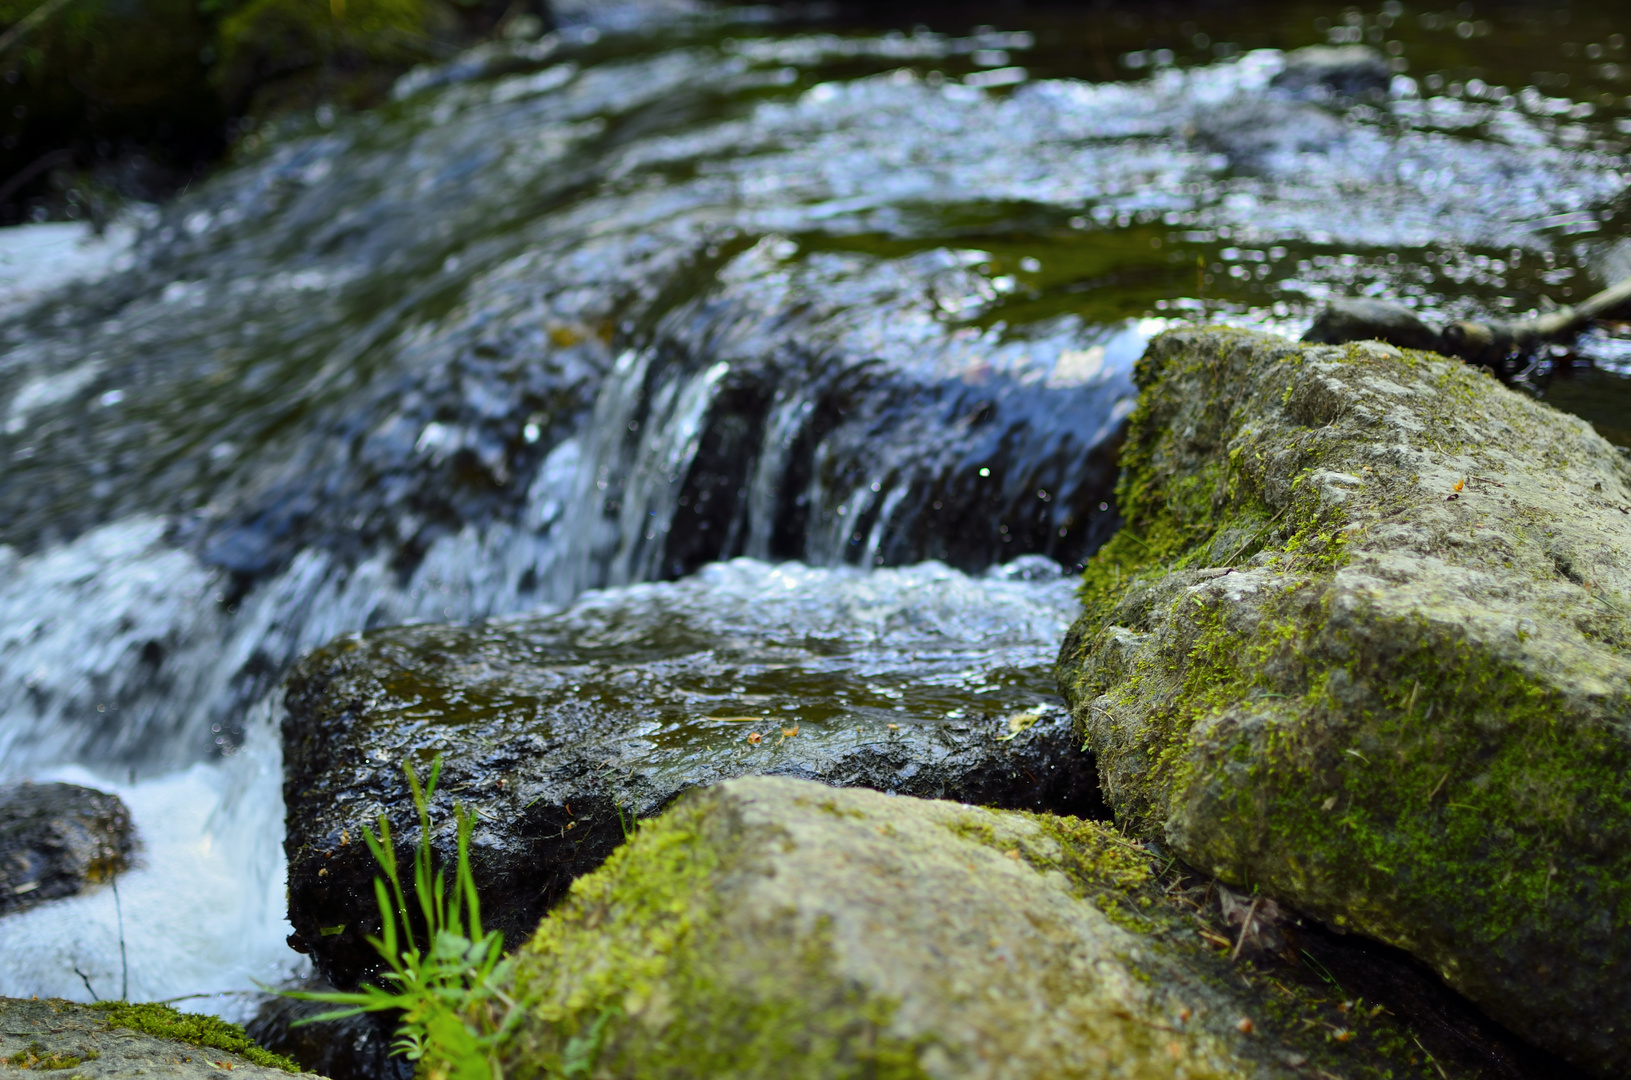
(677, 285)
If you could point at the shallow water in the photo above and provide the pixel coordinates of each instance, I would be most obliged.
(689, 286)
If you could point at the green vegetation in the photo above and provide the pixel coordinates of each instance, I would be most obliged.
(445, 972)
(211, 1032)
(38, 1058)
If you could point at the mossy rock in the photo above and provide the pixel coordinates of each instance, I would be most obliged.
(1362, 646)
(772, 927)
(118, 1039)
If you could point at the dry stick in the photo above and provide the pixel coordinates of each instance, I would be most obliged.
(1245, 928)
(28, 172)
(1470, 340)
(29, 22)
(86, 979)
(124, 965)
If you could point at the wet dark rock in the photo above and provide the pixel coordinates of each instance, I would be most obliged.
(560, 731)
(1342, 321)
(1319, 72)
(57, 838)
(357, 1048)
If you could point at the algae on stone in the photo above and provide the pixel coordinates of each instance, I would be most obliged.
(772, 927)
(1362, 645)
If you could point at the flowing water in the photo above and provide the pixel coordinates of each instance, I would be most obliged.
(678, 285)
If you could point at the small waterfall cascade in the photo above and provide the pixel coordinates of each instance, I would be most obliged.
(679, 293)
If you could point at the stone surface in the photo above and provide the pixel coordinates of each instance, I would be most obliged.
(775, 927)
(1359, 319)
(1362, 645)
(55, 839)
(561, 730)
(1325, 71)
(71, 1040)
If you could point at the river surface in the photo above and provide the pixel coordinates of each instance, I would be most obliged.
(678, 285)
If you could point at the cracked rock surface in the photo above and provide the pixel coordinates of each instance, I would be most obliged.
(1362, 646)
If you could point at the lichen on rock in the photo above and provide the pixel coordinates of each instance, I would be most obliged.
(775, 927)
(1362, 646)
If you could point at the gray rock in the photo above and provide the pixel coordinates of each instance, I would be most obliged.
(1363, 645)
(57, 838)
(1325, 71)
(560, 731)
(1345, 320)
(115, 1041)
(772, 927)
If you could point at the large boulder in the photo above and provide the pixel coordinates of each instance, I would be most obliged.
(772, 927)
(1362, 645)
(57, 838)
(560, 731)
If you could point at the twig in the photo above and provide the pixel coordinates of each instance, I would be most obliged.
(1245, 928)
(87, 981)
(124, 964)
(215, 993)
(1255, 535)
(29, 172)
(29, 22)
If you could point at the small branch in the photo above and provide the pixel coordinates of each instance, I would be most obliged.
(1246, 927)
(29, 22)
(86, 979)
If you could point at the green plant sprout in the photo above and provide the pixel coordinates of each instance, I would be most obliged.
(454, 1015)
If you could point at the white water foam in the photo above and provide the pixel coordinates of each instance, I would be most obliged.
(201, 911)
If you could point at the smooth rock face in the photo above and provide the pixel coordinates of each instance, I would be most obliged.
(562, 730)
(64, 1038)
(56, 838)
(1362, 645)
(774, 927)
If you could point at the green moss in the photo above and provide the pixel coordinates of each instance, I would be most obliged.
(629, 942)
(1365, 760)
(212, 1032)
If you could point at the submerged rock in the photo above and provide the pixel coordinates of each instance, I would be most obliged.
(57, 838)
(1325, 71)
(1362, 645)
(116, 1040)
(562, 731)
(774, 927)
